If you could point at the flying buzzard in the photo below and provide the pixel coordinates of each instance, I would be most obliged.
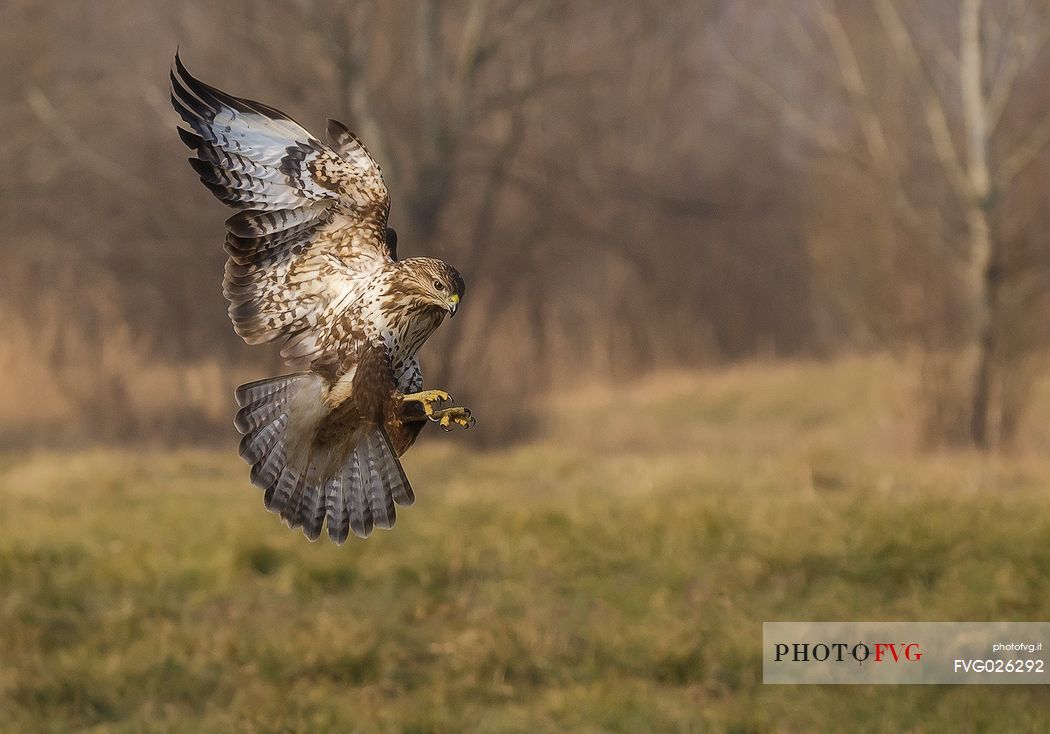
(314, 266)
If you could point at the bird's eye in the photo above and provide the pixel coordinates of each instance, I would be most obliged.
(439, 285)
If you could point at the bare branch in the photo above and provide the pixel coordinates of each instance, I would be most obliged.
(74, 143)
(936, 119)
(1003, 85)
(1017, 48)
(428, 62)
(467, 62)
(853, 82)
(821, 136)
(943, 57)
(970, 82)
(871, 126)
(514, 22)
(507, 99)
(805, 43)
(1025, 153)
(356, 49)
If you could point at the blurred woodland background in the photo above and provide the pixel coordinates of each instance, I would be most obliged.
(627, 186)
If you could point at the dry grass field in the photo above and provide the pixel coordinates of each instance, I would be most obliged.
(611, 575)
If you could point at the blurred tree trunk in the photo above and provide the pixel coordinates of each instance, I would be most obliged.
(978, 200)
(977, 182)
(984, 406)
(970, 178)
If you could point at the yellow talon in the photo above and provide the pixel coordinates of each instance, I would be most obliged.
(426, 398)
(457, 415)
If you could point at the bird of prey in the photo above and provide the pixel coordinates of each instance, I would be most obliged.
(313, 266)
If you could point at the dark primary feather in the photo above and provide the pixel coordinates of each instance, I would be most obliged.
(258, 156)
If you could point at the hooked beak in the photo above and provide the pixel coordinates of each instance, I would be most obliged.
(452, 304)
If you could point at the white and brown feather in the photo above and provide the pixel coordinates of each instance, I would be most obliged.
(312, 266)
(312, 231)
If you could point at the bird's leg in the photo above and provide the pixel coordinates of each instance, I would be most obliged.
(454, 415)
(427, 398)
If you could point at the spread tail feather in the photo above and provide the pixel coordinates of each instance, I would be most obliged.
(361, 494)
(303, 482)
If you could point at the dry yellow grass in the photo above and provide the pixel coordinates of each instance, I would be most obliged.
(67, 384)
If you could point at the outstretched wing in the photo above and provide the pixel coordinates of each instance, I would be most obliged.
(311, 232)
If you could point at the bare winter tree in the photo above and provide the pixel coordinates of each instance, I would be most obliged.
(964, 85)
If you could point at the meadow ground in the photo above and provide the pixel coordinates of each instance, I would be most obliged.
(612, 575)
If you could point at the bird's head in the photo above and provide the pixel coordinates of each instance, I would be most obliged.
(432, 283)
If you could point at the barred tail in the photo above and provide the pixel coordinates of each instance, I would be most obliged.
(305, 483)
(362, 492)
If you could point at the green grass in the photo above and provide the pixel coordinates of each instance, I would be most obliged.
(612, 576)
